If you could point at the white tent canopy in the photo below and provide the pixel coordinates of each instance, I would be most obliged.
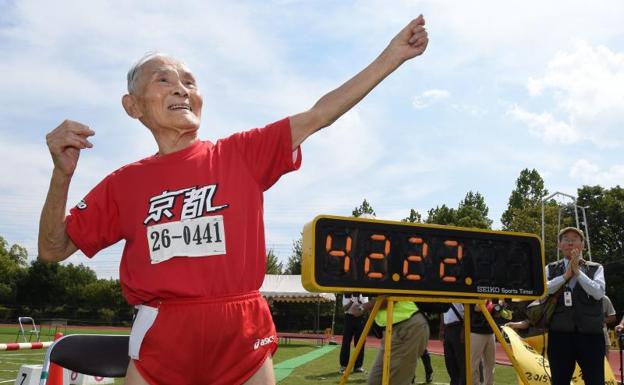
(288, 288)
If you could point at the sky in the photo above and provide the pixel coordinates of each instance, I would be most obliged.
(503, 86)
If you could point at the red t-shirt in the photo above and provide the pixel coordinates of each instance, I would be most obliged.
(192, 219)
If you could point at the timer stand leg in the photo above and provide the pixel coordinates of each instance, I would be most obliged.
(501, 339)
(467, 349)
(385, 377)
(621, 346)
(360, 344)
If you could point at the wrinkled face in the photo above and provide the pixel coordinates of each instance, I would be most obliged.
(167, 96)
(570, 241)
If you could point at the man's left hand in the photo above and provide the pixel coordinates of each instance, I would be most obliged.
(411, 41)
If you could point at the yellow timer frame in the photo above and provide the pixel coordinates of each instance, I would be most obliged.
(347, 254)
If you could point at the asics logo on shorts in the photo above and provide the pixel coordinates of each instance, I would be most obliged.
(263, 342)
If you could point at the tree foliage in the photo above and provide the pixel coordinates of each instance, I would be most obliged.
(414, 217)
(293, 265)
(12, 269)
(441, 215)
(44, 290)
(472, 211)
(273, 265)
(528, 193)
(529, 220)
(605, 220)
(364, 208)
(524, 211)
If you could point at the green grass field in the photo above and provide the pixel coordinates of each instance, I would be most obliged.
(320, 371)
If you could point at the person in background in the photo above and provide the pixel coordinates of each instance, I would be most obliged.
(426, 359)
(618, 330)
(353, 327)
(452, 336)
(482, 347)
(619, 327)
(410, 334)
(575, 331)
(609, 313)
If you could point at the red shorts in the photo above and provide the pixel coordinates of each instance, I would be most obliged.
(207, 341)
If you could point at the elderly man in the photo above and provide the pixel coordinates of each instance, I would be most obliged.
(192, 219)
(575, 329)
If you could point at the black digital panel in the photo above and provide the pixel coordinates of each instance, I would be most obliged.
(347, 254)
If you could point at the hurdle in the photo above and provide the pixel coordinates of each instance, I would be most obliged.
(25, 346)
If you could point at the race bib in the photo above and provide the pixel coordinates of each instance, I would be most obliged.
(198, 237)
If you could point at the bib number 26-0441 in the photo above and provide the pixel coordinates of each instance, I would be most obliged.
(196, 237)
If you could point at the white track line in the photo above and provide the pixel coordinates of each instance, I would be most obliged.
(21, 354)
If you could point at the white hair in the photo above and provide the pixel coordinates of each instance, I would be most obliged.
(135, 70)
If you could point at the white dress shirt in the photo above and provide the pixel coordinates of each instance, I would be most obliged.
(594, 287)
(450, 316)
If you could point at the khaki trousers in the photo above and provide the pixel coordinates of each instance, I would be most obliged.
(482, 348)
(409, 341)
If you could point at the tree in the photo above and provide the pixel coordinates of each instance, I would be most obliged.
(73, 279)
(10, 274)
(605, 220)
(473, 212)
(364, 208)
(50, 290)
(529, 220)
(12, 270)
(293, 265)
(273, 265)
(442, 215)
(3, 246)
(524, 211)
(529, 191)
(414, 217)
(19, 254)
(40, 286)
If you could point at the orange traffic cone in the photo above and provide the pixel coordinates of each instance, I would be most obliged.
(55, 376)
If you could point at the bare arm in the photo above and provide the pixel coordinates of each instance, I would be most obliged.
(409, 43)
(520, 325)
(64, 143)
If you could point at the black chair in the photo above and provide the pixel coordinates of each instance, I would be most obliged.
(90, 354)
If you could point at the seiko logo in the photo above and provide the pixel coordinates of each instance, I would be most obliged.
(264, 341)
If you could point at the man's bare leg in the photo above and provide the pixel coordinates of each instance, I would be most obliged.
(264, 375)
(133, 376)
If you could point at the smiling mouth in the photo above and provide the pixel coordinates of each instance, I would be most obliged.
(177, 107)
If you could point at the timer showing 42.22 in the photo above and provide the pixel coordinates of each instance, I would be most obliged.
(376, 256)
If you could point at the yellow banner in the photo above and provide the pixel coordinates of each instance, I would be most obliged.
(613, 339)
(535, 368)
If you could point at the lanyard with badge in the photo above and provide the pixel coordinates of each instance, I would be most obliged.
(567, 296)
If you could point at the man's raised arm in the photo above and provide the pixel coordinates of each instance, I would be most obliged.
(407, 44)
(64, 143)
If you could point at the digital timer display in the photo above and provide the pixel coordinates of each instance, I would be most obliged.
(376, 256)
